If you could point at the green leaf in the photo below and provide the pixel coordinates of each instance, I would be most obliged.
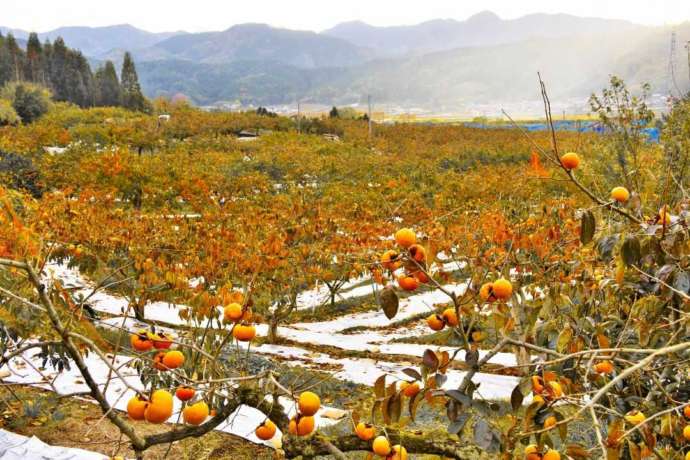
(457, 425)
(681, 281)
(564, 339)
(484, 436)
(630, 251)
(457, 395)
(563, 427)
(588, 227)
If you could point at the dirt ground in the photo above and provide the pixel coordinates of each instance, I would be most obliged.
(78, 423)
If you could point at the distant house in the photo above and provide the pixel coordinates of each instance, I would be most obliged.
(54, 150)
(331, 137)
(245, 134)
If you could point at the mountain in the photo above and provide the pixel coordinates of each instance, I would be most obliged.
(18, 33)
(445, 80)
(250, 82)
(98, 42)
(440, 64)
(482, 29)
(258, 42)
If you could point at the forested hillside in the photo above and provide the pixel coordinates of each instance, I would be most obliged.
(66, 73)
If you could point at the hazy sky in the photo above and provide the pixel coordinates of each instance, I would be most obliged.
(199, 15)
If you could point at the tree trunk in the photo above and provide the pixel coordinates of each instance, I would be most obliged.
(522, 354)
(273, 330)
(139, 311)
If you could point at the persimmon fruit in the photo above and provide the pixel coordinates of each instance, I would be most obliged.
(136, 407)
(195, 414)
(381, 446)
(301, 425)
(411, 390)
(418, 252)
(365, 431)
(570, 160)
(232, 312)
(551, 454)
(244, 332)
(620, 194)
(603, 367)
(435, 322)
(266, 430)
(502, 289)
(408, 283)
(405, 237)
(141, 342)
(184, 393)
(308, 403)
(450, 317)
(398, 452)
(173, 359)
(160, 407)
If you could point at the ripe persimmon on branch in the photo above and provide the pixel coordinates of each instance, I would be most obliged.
(156, 406)
(609, 371)
(588, 293)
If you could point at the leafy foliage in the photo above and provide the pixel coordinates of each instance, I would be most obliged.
(29, 101)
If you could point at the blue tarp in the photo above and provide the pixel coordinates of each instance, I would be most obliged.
(568, 125)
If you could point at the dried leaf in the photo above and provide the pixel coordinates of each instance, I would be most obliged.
(630, 251)
(516, 398)
(430, 360)
(588, 227)
(412, 373)
(389, 302)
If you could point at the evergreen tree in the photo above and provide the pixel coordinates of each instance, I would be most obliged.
(67, 74)
(34, 58)
(82, 86)
(5, 67)
(15, 58)
(57, 73)
(132, 98)
(107, 86)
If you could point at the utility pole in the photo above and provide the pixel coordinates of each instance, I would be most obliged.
(369, 115)
(671, 73)
(299, 118)
(687, 47)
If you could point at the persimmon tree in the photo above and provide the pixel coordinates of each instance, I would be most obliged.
(587, 288)
(605, 314)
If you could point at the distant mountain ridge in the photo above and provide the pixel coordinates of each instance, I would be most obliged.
(258, 42)
(482, 29)
(99, 42)
(440, 63)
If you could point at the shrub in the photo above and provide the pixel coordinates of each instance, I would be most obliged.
(29, 101)
(8, 116)
(20, 173)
